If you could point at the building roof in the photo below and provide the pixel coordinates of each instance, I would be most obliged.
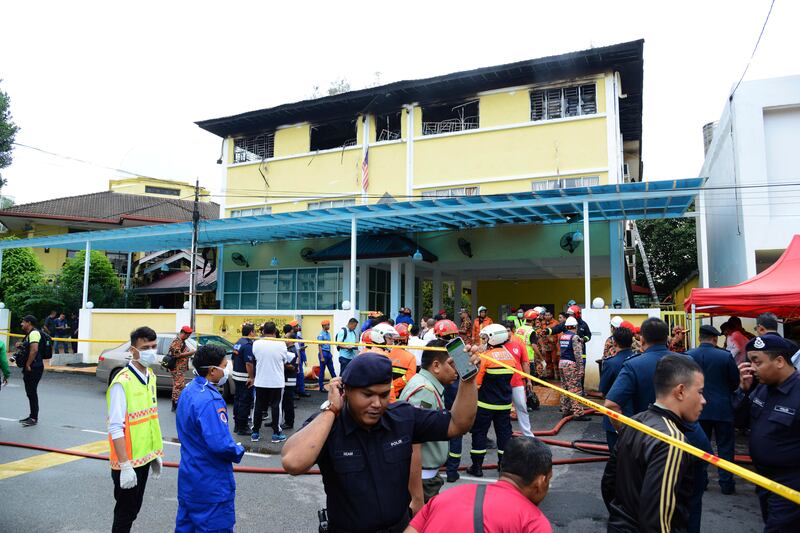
(627, 201)
(625, 58)
(176, 282)
(107, 208)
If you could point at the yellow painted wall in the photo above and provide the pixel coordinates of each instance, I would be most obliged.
(538, 148)
(54, 259)
(119, 326)
(498, 109)
(494, 293)
(292, 140)
(682, 292)
(287, 253)
(137, 186)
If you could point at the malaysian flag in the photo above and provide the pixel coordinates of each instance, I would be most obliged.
(365, 172)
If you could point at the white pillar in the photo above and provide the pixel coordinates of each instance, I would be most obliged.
(457, 289)
(86, 263)
(702, 240)
(353, 264)
(473, 285)
(1, 268)
(128, 273)
(587, 259)
(409, 153)
(345, 285)
(394, 286)
(408, 298)
(363, 280)
(85, 332)
(437, 291)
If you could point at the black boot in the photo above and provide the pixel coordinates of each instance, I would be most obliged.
(174, 406)
(475, 470)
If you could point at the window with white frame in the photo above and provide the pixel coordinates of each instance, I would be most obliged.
(254, 148)
(450, 193)
(561, 102)
(565, 183)
(284, 288)
(328, 204)
(251, 211)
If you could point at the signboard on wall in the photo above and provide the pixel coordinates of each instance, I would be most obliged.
(230, 327)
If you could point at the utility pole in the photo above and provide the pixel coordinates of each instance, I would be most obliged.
(193, 272)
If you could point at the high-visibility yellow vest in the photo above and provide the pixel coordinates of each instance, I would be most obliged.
(143, 441)
(524, 333)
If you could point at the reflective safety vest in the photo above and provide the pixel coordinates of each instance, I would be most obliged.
(404, 366)
(495, 380)
(565, 345)
(143, 441)
(517, 321)
(524, 333)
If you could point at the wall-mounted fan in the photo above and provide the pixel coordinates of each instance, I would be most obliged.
(465, 246)
(306, 254)
(239, 259)
(570, 241)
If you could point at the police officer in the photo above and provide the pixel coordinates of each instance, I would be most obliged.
(243, 374)
(721, 379)
(610, 369)
(206, 488)
(774, 408)
(363, 445)
(494, 398)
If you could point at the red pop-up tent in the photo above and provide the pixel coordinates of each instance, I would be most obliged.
(776, 290)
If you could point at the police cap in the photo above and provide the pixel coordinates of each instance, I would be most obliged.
(368, 369)
(709, 330)
(769, 343)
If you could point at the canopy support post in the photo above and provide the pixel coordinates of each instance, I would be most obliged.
(353, 261)
(587, 259)
(693, 341)
(86, 263)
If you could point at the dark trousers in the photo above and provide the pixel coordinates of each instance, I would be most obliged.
(725, 436)
(697, 438)
(779, 514)
(325, 361)
(454, 452)
(242, 402)
(343, 362)
(129, 501)
(300, 386)
(480, 429)
(287, 405)
(267, 399)
(31, 380)
(611, 439)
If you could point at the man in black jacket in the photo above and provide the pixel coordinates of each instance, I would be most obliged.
(647, 484)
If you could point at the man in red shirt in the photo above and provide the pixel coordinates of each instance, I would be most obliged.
(518, 383)
(524, 480)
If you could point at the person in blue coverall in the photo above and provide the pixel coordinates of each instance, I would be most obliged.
(623, 339)
(206, 487)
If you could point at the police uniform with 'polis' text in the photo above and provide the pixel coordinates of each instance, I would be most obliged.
(206, 487)
(775, 438)
(366, 471)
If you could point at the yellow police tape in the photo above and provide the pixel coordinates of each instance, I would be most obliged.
(752, 477)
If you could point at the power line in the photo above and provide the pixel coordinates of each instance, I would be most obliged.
(758, 41)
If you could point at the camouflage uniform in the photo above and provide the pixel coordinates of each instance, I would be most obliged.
(548, 347)
(610, 348)
(177, 347)
(572, 375)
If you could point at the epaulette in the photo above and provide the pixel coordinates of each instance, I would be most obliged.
(631, 356)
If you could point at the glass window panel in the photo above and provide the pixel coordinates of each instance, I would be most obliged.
(268, 281)
(233, 281)
(248, 301)
(285, 300)
(328, 278)
(307, 279)
(267, 300)
(326, 300)
(286, 279)
(306, 300)
(231, 300)
(250, 281)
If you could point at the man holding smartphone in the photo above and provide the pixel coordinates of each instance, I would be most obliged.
(361, 442)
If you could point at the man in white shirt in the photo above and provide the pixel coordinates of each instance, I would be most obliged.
(430, 334)
(415, 340)
(271, 356)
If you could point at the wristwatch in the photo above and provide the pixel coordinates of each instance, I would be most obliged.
(325, 406)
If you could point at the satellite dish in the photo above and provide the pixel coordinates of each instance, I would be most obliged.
(239, 259)
(465, 246)
(570, 241)
(306, 254)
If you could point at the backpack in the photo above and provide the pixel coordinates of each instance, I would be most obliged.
(45, 346)
(343, 331)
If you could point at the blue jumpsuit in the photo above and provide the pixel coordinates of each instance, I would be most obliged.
(206, 487)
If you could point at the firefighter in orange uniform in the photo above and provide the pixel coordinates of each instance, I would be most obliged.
(404, 364)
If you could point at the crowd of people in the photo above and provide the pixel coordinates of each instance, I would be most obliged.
(396, 414)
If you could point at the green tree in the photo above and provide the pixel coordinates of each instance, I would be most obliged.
(671, 247)
(21, 271)
(104, 285)
(8, 130)
(36, 300)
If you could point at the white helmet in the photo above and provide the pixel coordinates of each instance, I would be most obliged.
(481, 308)
(616, 321)
(539, 309)
(379, 333)
(571, 322)
(495, 334)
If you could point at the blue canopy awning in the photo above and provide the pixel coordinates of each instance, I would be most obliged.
(628, 201)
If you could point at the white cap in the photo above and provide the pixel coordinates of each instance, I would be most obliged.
(616, 321)
(571, 322)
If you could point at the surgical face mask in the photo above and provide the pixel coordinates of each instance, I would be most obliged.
(520, 315)
(147, 357)
(226, 372)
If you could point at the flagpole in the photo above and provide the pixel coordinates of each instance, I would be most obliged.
(365, 159)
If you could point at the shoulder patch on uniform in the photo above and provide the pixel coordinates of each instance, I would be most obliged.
(223, 415)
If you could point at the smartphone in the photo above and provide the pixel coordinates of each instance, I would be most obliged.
(465, 369)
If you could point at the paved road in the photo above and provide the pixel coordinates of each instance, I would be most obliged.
(76, 496)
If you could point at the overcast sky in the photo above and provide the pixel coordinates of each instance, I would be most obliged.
(122, 86)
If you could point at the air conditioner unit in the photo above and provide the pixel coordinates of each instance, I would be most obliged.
(626, 175)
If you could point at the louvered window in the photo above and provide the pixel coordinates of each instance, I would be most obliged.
(565, 183)
(573, 101)
(254, 148)
(450, 193)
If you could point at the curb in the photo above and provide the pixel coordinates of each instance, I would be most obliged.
(86, 371)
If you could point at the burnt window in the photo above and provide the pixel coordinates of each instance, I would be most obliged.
(254, 148)
(335, 134)
(574, 101)
(449, 117)
(387, 127)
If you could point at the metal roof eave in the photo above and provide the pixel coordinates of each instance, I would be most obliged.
(632, 201)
